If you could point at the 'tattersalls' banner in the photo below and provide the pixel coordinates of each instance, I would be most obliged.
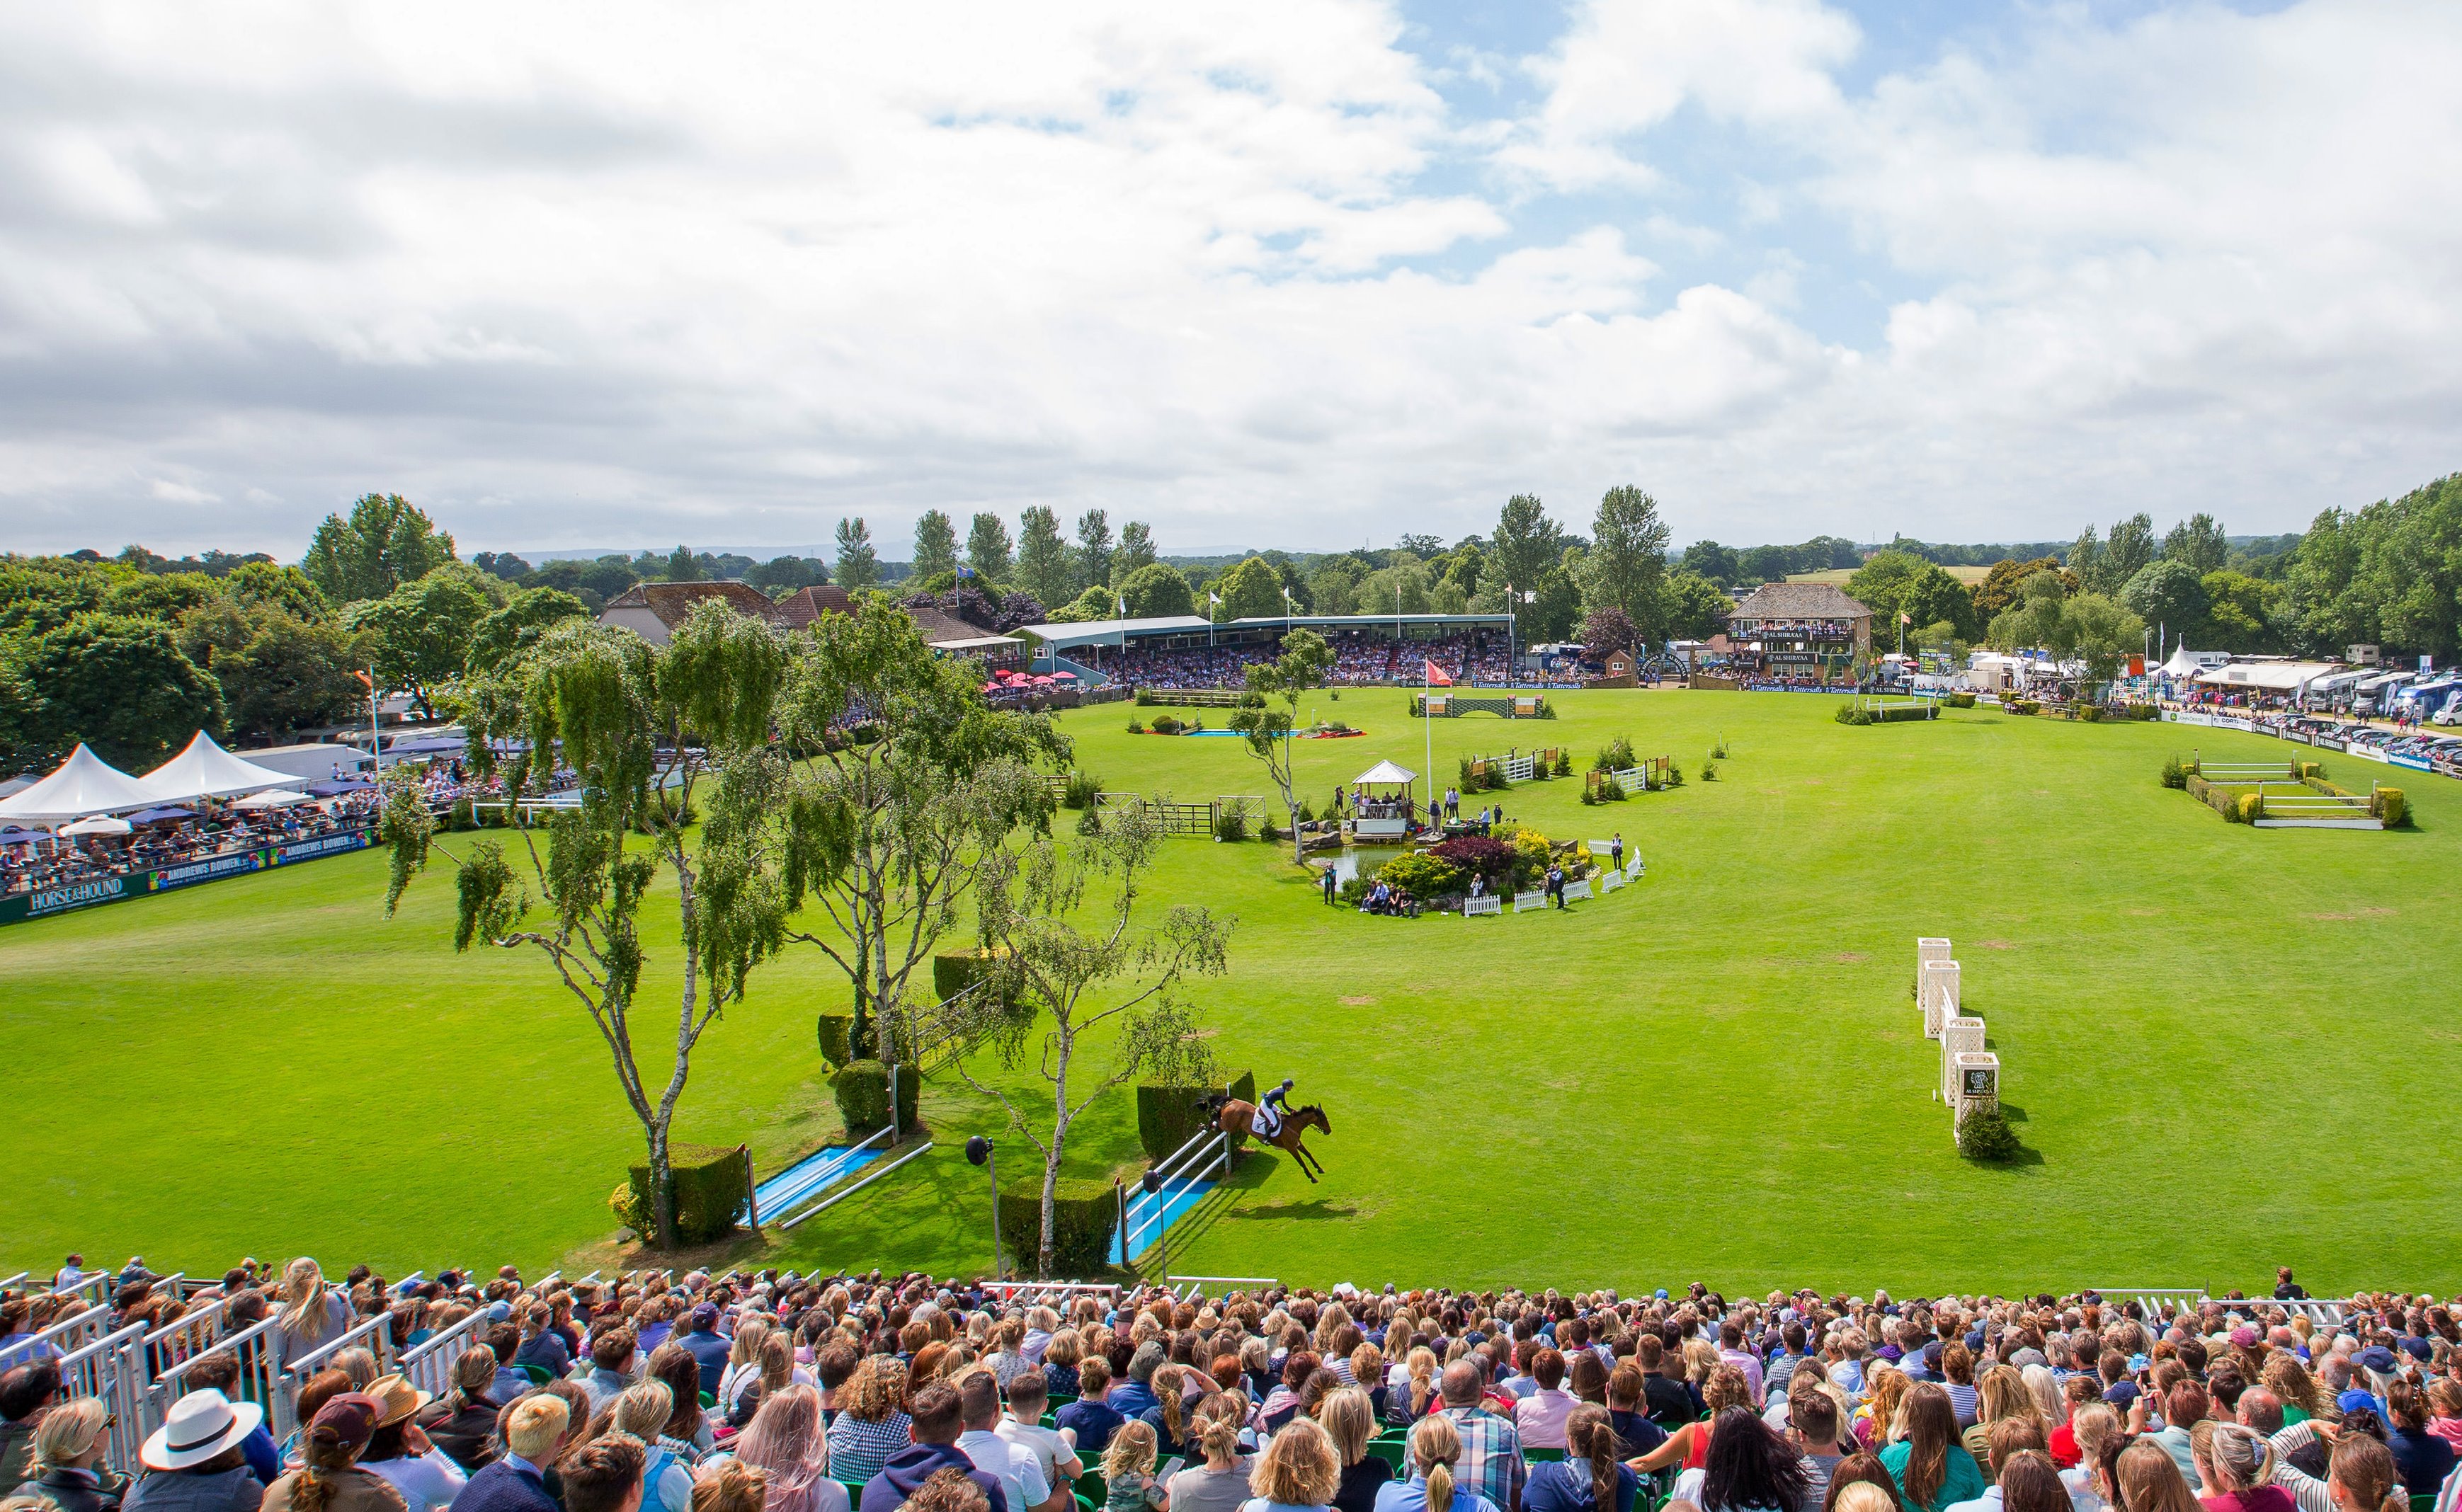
(71, 896)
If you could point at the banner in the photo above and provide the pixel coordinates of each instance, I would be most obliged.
(49, 901)
(45, 902)
(208, 869)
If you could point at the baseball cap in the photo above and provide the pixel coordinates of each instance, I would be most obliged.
(2378, 1358)
(706, 1316)
(2355, 1400)
(2243, 1337)
(350, 1417)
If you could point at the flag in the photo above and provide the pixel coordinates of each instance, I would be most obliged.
(1436, 677)
(1123, 606)
(1213, 597)
(963, 571)
(364, 681)
(1904, 618)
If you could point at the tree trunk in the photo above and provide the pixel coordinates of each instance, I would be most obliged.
(663, 1188)
(1062, 1047)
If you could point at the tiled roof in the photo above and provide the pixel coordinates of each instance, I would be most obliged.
(805, 605)
(671, 603)
(1798, 602)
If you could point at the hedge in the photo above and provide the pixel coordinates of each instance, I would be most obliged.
(955, 970)
(1167, 1116)
(836, 1035)
(1984, 1134)
(2392, 806)
(1085, 1214)
(862, 1092)
(713, 1188)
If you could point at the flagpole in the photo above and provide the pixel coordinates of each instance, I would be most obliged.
(1427, 720)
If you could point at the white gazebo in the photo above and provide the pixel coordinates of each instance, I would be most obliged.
(85, 784)
(1386, 814)
(206, 771)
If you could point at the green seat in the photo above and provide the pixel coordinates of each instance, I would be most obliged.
(1543, 1457)
(854, 1492)
(2422, 1501)
(539, 1374)
(708, 1400)
(1392, 1450)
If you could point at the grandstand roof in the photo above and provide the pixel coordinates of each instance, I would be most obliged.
(85, 784)
(1096, 632)
(1369, 622)
(1798, 602)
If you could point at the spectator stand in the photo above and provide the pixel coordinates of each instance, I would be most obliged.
(1382, 804)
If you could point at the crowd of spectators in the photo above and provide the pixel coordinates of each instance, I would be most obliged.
(36, 863)
(1186, 667)
(1359, 656)
(773, 1392)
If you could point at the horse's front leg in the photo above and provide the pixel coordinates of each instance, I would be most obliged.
(1299, 1151)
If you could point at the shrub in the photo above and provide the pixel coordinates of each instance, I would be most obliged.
(712, 1190)
(2174, 776)
(1529, 859)
(1493, 781)
(1085, 1213)
(1719, 752)
(1962, 700)
(1166, 724)
(954, 971)
(1231, 824)
(1422, 876)
(1465, 779)
(836, 1032)
(1615, 755)
(1675, 775)
(1612, 791)
(1145, 697)
(2392, 806)
(1354, 891)
(1849, 714)
(1091, 822)
(1307, 815)
(2090, 713)
(1269, 831)
(1984, 1134)
(1136, 726)
(1590, 797)
(1709, 771)
(1196, 724)
(1167, 1116)
(2021, 705)
(1080, 790)
(671, 806)
(2252, 808)
(1564, 762)
(861, 1089)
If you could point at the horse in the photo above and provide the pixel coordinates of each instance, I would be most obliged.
(1233, 1116)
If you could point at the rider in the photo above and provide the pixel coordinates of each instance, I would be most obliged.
(1270, 1110)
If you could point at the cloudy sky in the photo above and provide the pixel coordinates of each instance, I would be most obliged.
(1307, 273)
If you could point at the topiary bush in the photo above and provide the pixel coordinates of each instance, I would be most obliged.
(2252, 808)
(1167, 1115)
(836, 1032)
(1085, 1213)
(1983, 1135)
(861, 1089)
(1166, 724)
(2392, 806)
(1962, 700)
(713, 1188)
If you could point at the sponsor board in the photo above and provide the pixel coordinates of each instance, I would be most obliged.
(48, 901)
(206, 868)
(326, 845)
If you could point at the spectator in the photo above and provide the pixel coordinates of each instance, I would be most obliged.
(462, 1422)
(541, 1344)
(2150, 1482)
(313, 1314)
(731, 1488)
(67, 1471)
(642, 1410)
(788, 1444)
(1690, 1445)
(1865, 1471)
(1129, 1483)
(948, 1491)
(1090, 1416)
(1670, 1405)
(399, 1454)
(330, 1480)
(1812, 1420)
(1538, 1417)
(604, 1474)
(935, 1428)
(535, 1430)
(20, 1342)
(2235, 1471)
(1134, 1397)
(2027, 1483)
(2010, 1438)
(1220, 1485)
(196, 1461)
(688, 1435)
(1022, 1426)
(743, 1371)
(2003, 1398)
(1435, 1452)
(1348, 1419)
(25, 1394)
(2444, 1403)
(1930, 1467)
(1299, 1471)
(613, 1355)
(1490, 1450)
(1018, 1468)
(1958, 1375)
(2184, 1405)
(1750, 1468)
(870, 1430)
(708, 1351)
(2097, 1431)
(1588, 1479)
(1168, 1415)
(1060, 1359)
(2422, 1458)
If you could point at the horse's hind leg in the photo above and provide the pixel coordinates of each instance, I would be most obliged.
(1300, 1153)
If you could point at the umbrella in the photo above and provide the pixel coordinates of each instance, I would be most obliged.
(1064, 677)
(98, 824)
(162, 815)
(1043, 683)
(13, 836)
(279, 798)
(991, 687)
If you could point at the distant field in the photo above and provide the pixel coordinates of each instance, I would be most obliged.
(1837, 576)
(2222, 1047)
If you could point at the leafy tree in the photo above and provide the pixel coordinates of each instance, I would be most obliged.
(513, 630)
(987, 548)
(278, 673)
(2169, 593)
(1527, 544)
(1334, 585)
(1136, 548)
(2389, 573)
(936, 545)
(1403, 588)
(1251, 590)
(858, 566)
(1626, 560)
(1999, 590)
(1895, 583)
(2103, 634)
(1093, 550)
(2243, 614)
(123, 685)
(1044, 564)
(1305, 661)
(2105, 567)
(386, 542)
(419, 634)
(1422, 546)
(2198, 543)
(895, 787)
(1713, 561)
(287, 589)
(165, 596)
(1558, 607)
(782, 575)
(1093, 604)
(681, 566)
(1692, 607)
(1463, 569)
(1067, 971)
(40, 595)
(502, 564)
(2089, 627)
(1762, 564)
(1156, 590)
(648, 730)
(1607, 628)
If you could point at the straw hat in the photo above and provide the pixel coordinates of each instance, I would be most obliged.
(199, 1426)
(398, 1398)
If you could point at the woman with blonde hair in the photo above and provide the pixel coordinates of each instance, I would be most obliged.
(1421, 1366)
(2096, 1429)
(1689, 1445)
(732, 1487)
(1348, 1419)
(2000, 1395)
(1861, 1496)
(2289, 1380)
(1878, 1420)
(788, 1446)
(313, 1314)
(67, 1471)
(643, 1411)
(1060, 1359)
(1220, 1484)
(872, 1424)
(1299, 1471)
(2150, 1481)
(743, 1365)
(1128, 1469)
(1436, 1451)
(2236, 1470)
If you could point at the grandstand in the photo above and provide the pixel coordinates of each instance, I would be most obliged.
(1521, 1374)
(1187, 652)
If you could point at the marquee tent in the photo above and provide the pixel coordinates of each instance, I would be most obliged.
(206, 771)
(85, 784)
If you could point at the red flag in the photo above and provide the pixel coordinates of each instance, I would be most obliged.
(1436, 677)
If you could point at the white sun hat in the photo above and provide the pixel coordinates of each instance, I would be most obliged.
(200, 1426)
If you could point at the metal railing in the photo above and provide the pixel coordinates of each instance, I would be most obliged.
(374, 1334)
(429, 1363)
(253, 1348)
(72, 1334)
(845, 1192)
(100, 1283)
(109, 1369)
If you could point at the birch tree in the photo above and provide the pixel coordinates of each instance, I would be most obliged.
(649, 731)
(1305, 661)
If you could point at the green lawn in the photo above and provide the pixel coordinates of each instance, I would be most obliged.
(2224, 1047)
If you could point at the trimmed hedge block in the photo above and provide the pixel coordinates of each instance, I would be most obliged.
(836, 1032)
(955, 971)
(1167, 1116)
(862, 1092)
(1085, 1213)
(2392, 806)
(713, 1187)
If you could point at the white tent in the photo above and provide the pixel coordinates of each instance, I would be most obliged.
(99, 824)
(85, 784)
(270, 800)
(206, 771)
(1386, 772)
(2182, 664)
